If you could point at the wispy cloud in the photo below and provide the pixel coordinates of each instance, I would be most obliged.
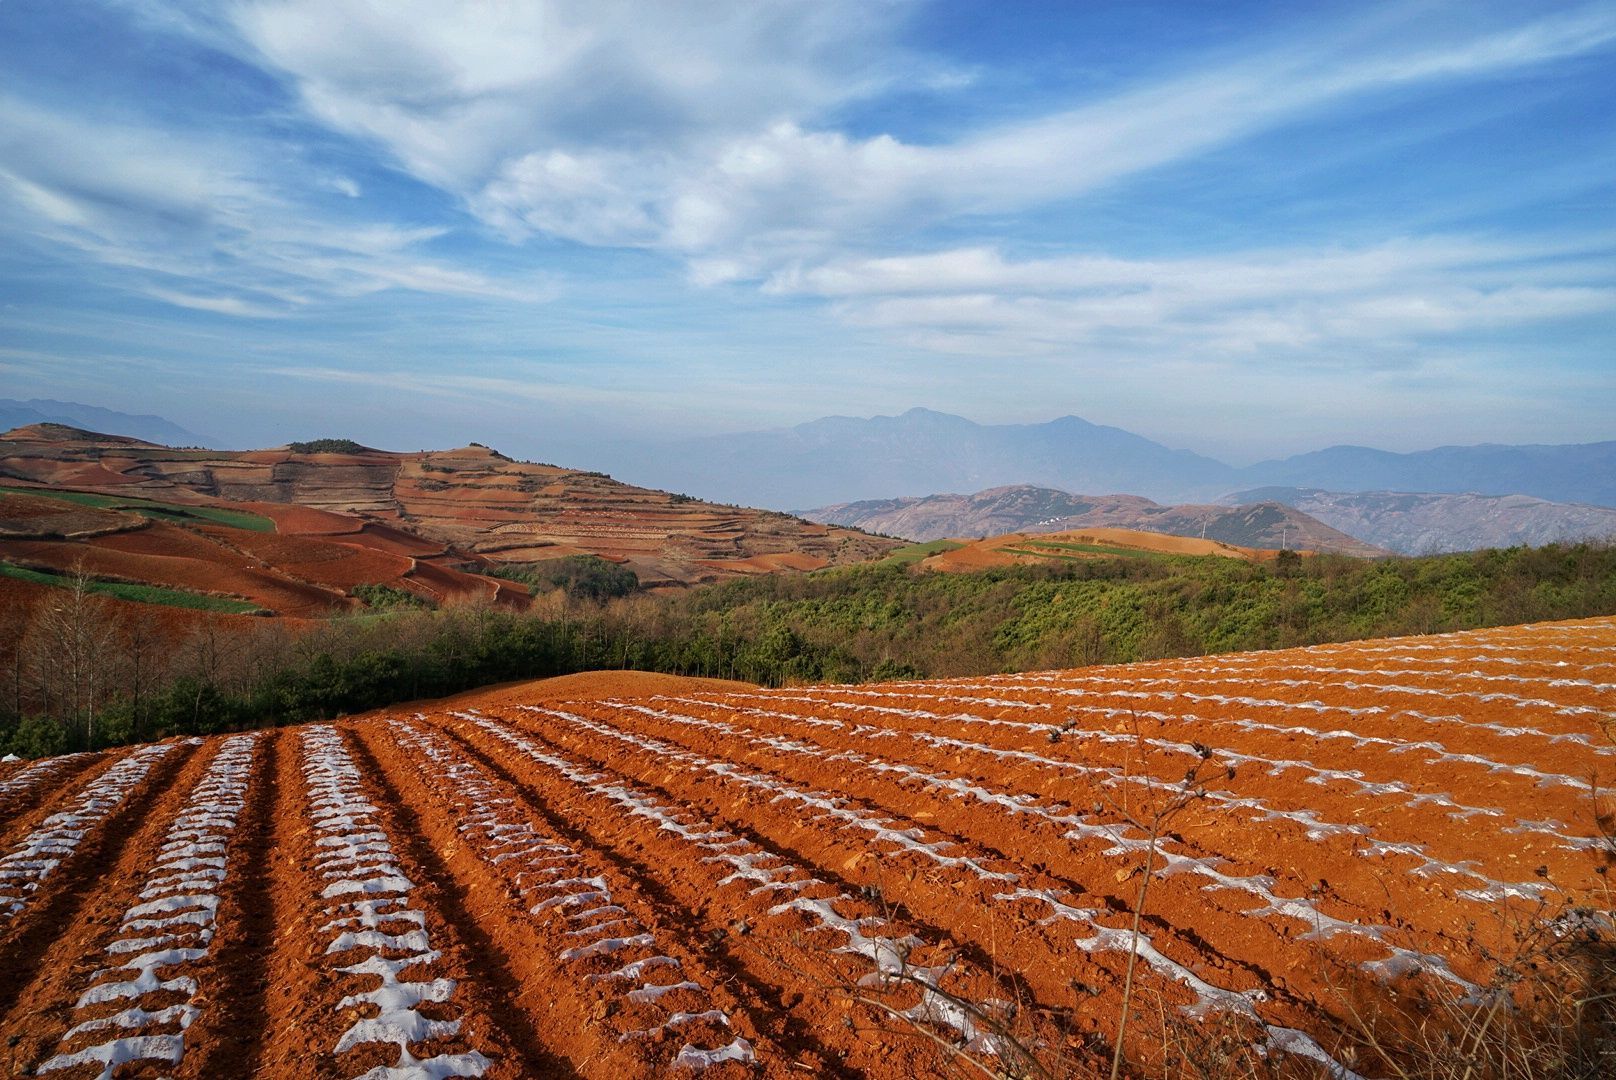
(1274, 303)
(203, 223)
(742, 199)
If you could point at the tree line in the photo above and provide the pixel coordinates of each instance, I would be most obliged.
(83, 672)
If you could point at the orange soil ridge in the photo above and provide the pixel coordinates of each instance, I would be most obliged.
(618, 874)
(1023, 548)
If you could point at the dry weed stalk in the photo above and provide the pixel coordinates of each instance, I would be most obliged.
(1150, 816)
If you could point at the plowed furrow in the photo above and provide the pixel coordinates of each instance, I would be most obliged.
(1292, 688)
(1517, 748)
(800, 930)
(371, 979)
(1561, 697)
(1471, 784)
(53, 873)
(70, 944)
(991, 902)
(227, 1036)
(1555, 662)
(37, 782)
(36, 855)
(1266, 785)
(1272, 836)
(1239, 911)
(135, 1009)
(616, 1001)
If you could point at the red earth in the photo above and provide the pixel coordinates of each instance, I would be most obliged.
(473, 500)
(619, 875)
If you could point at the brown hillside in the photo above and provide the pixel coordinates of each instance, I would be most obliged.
(471, 499)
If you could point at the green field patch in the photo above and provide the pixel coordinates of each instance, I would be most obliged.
(906, 556)
(144, 594)
(174, 513)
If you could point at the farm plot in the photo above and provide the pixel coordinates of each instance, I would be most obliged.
(1299, 861)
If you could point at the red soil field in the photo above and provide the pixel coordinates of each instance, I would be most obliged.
(33, 517)
(293, 520)
(319, 562)
(619, 875)
(182, 558)
(172, 625)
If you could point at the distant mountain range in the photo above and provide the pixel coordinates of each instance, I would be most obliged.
(840, 459)
(1423, 523)
(1571, 473)
(1023, 508)
(153, 429)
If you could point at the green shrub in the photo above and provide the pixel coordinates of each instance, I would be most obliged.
(582, 577)
(387, 597)
(327, 446)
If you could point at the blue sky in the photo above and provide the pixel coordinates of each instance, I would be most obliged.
(1246, 229)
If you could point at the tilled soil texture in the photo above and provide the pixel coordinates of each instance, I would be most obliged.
(637, 876)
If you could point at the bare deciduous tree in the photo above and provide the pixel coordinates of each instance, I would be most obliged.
(71, 644)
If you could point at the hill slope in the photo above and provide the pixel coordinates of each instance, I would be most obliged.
(1075, 545)
(472, 499)
(1030, 509)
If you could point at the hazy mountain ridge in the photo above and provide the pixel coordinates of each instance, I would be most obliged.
(840, 459)
(1022, 508)
(149, 428)
(837, 459)
(1570, 473)
(1415, 523)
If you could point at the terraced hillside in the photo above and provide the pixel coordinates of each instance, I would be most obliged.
(880, 880)
(472, 499)
(257, 557)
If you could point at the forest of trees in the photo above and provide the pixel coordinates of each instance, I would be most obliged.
(82, 672)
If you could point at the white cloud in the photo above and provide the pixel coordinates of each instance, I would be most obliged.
(201, 222)
(701, 129)
(344, 185)
(1367, 301)
(219, 305)
(458, 90)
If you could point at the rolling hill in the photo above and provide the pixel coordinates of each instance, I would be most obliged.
(469, 503)
(1030, 509)
(1074, 545)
